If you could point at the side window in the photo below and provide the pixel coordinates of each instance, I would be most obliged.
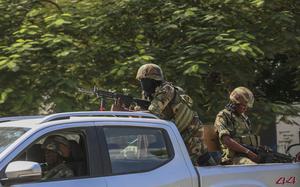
(61, 154)
(134, 149)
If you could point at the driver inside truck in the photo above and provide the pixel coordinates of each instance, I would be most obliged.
(57, 151)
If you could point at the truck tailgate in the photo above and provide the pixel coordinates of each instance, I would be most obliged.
(251, 175)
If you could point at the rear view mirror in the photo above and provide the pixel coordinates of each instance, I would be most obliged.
(22, 171)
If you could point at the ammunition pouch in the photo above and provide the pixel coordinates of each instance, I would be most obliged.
(251, 139)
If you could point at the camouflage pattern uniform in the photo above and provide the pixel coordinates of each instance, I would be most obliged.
(57, 143)
(59, 171)
(171, 103)
(237, 126)
(166, 104)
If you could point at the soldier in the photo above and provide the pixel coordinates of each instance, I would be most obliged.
(57, 149)
(233, 128)
(170, 102)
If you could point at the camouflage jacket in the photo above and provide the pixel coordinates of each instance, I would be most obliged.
(236, 126)
(59, 171)
(171, 103)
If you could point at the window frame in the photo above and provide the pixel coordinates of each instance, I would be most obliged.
(92, 153)
(104, 146)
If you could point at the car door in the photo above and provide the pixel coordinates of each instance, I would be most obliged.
(139, 155)
(91, 160)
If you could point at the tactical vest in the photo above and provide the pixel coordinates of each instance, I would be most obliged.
(249, 138)
(179, 109)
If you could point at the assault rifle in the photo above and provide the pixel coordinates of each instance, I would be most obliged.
(267, 155)
(127, 100)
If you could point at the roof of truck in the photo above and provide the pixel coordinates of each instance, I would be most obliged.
(84, 116)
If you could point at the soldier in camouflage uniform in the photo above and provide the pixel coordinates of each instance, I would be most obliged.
(170, 102)
(234, 129)
(57, 149)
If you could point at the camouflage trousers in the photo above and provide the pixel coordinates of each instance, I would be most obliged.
(193, 136)
(242, 161)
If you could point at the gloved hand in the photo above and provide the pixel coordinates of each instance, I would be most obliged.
(118, 106)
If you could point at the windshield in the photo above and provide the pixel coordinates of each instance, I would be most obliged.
(10, 134)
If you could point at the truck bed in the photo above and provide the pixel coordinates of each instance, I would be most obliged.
(250, 175)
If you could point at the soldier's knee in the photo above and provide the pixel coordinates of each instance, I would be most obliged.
(207, 160)
(243, 161)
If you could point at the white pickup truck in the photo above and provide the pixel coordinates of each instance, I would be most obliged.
(120, 149)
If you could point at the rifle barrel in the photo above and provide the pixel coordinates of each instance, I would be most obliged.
(126, 99)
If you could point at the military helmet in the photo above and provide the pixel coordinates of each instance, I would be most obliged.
(57, 144)
(242, 95)
(150, 71)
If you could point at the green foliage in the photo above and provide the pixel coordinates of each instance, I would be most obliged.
(50, 49)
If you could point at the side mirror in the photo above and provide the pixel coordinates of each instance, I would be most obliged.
(22, 171)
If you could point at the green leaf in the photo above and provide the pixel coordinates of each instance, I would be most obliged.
(34, 12)
(63, 54)
(59, 22)
(67, 15)
(116, 48)
(22, 31)
(5, 94)
(15, 56)
(120, 73)
(245, 46)
(140, 37)
(50, 18)
(235, 48)
(147, 57)
(3, 63)
(47, 35)
(189, 12)
(258, 50)
(211, 50)
(32, 33)
(20, 41)
(11, 65)
(171, 26)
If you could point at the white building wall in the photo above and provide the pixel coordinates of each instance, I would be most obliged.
(288, 134)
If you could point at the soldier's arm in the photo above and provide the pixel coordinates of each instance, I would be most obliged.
(118, 106)
(235, 146)
(161, 99)
(221, 126)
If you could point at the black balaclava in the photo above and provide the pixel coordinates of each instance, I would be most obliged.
(149, 86)
(231, 106)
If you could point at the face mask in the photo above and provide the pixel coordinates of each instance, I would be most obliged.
(231, 107)
(149, 86)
